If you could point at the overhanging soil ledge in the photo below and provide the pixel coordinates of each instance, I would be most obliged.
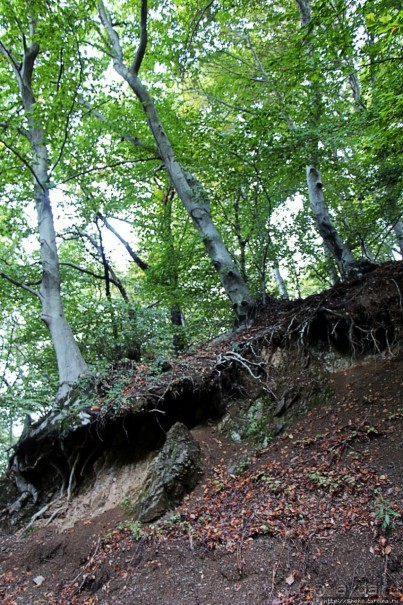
(57, 455)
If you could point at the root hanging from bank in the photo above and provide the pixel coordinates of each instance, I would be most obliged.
(59, 455)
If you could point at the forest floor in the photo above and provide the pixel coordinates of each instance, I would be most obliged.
(316, 514)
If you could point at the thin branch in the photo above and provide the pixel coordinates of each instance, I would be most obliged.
(195, 27)
(24, 161)
(20, 285)
(239, 75)
(99, 47)
(71, 109)
(104, 260)
(87, 271)
(257, 60)
(141, 51)
(3, 379)
(112, 275)
(6, 52)
(6, 126)
(238, 59)
(107, 167)
(139, 262)
(211, 97)
(65, 136)
(127, 137)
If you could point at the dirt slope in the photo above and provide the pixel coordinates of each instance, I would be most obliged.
(302, 519)
(316, 513)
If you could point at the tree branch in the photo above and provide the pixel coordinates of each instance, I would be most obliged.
(112, 278)
(20, 285)
(7, 54)
(104, 260)
(112, 275)
(211, 97)
(71, 109)
(195, 26)
(7, 126)
(107, 167)
(28, 63)
(141, 51)
(112, 34)
(127, 137)
(24, 161)
(83, 270)
(140, 263)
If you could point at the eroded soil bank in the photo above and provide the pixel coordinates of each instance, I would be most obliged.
(302, 455)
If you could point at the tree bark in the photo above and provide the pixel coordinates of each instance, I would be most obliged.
(139, 262)
(70, 363)
(338, 249)
(189, 190)
(332, 240)
(280, 283)
(398, 229)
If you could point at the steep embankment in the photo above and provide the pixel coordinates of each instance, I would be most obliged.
(301, 494)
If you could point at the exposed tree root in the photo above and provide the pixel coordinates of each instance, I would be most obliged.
(60, 453)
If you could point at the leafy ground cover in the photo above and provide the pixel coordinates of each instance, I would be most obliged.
(316, 513)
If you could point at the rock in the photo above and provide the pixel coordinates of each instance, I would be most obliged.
(174, 472)
(279, 427)
(280, 408)
(290, 396)
(236, 437)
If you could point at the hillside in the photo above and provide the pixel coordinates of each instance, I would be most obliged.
(299, 421)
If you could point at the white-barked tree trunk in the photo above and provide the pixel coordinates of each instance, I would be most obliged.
(326, 228)
(187, 187)
(70, 362)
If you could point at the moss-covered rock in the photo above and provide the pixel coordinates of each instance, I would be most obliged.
(174, 472)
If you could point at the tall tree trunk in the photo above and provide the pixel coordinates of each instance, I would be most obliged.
(282, 288)
(197, 205)
(172, 273)
(242, 240)
(398, 229)
(189, 190)
(324, 223)
(332, 240)
(70, 363)
(333, 274)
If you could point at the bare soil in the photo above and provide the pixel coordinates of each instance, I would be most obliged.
(331, 544)
(316, 513)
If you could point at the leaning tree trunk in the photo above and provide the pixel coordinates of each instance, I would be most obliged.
(337, 248)
(70, 363)
(196, 203)
(189, 190)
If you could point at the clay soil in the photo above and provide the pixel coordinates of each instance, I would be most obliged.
(304, 520)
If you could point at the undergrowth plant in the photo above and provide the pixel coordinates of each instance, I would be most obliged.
(385, 512)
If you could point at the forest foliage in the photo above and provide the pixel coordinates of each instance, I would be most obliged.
(249, 94)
